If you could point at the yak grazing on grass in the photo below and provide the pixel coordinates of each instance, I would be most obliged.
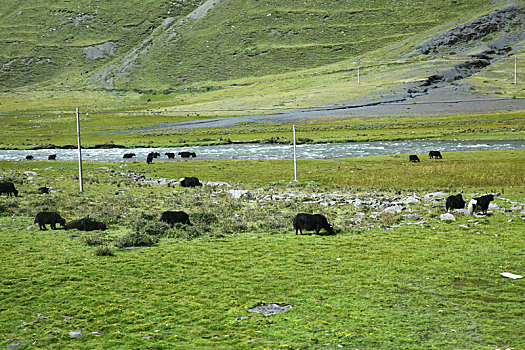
(175, 217)
(51, 218)
(413, 158)
(190, 182)
(8, 188)
(311, 222)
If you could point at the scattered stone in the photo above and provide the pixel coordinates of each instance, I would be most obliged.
(413, 216)
(238, 194)
(433, 195)
(270, 309)
(17, 345)
(447, 217)
(395, 209)
(464, 226)
(76, 334)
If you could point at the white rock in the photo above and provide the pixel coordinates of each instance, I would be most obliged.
(435, 194)
(394, 209)
(447, 217)
(76, 334)
(237, 194)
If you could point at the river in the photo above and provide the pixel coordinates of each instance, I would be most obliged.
(272, 151)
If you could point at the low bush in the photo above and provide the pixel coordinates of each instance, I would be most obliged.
(135, 239)
(104, 250)
(93, 240)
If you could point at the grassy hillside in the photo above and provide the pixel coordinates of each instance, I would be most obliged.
(76, 43)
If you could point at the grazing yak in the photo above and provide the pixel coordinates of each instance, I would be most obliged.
(29, 157)
(435, 154)
(455, 202)
(149, 158)
(175, 217)
(187, 154)
(480, 203)
(129, 155)
(85, 224)
(190, 182)
(43, 190)
(8, 188)
(52, 157)
(51, 218)
(311, 222)
(413, 158)
(170, 155)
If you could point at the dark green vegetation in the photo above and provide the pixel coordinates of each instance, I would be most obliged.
(378, 284)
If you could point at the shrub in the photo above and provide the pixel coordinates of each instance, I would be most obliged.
(155, 228)
(93, 240)
(135, 239)
(104, 250)
(204, 218)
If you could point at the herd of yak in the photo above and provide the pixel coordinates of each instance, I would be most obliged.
(301, 221)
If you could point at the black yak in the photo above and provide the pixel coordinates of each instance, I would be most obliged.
(455, 202)
(413, 158)
(8, 188)
(311, 222)
(480, 203)
(175, 217)
(51, 218)
(85, 224)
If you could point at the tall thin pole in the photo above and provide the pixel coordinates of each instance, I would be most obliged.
(294, 156)
(515, 70)
(79, 154)
(358, 70)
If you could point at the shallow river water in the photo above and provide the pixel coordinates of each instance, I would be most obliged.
(272, 151)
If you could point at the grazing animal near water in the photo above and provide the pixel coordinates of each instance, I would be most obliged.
(435, 154)
(480, 203)
(455, 202)
(129, 155)
(51, 218)
(170, 155)
(190, 182)
(175, 217)
(52, 157)
(43, 190)
(413, 158)
(311, 222)
(29, 157)
(8, 188)
(187, 154)
(149, 158)
(85, 224)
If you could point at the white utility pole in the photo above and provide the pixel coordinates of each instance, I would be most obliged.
(79, 154)
(358, 70)
(515, 70)
(294, 156)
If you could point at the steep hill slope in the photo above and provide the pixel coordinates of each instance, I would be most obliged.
(165, 44)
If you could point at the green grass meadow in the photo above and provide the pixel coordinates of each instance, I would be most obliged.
(381, 285)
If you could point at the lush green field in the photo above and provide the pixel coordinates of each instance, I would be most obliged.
(380, 283)
(26, 132)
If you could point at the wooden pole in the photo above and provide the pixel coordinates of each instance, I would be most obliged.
(294, 156)
(79, 154)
